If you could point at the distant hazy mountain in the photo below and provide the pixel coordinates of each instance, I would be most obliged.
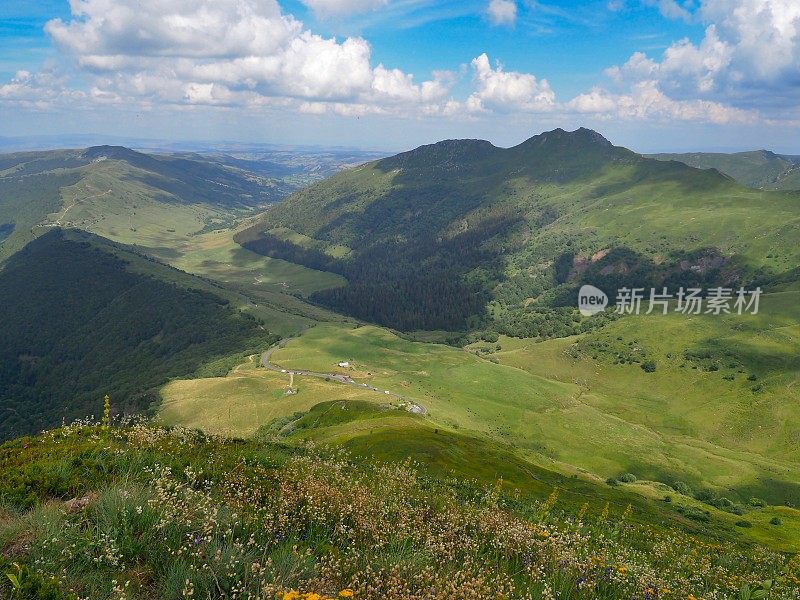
(293, 167)
(760, 169)
(428, 237)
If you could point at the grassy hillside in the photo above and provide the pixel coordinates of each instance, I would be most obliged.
(715, 416)
(83, 317)
(759, 169)
(124, 195)
(252, 397)
(24, 203)
(429, 237)
(215, 255)
(144, 512)
(568, 405)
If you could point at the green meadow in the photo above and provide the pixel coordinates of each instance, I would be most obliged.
(247, 398)
(215, 255)
(717, 411)
(252, 402)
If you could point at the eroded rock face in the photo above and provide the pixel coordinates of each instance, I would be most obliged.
(703, 264)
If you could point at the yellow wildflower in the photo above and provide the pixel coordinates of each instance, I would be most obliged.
(551, 501)
(604, 514)
(346, 593)
(628, 512)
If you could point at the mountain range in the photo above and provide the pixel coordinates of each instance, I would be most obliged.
(430, 237)
(760, 169)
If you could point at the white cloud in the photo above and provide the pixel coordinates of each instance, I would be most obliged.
(764, 36)
(44, 90)
(749, 57)
(507, 91)
(502, 12)
(247, 53)
(647, 102)
(339, 8)
(597, 100)
(230, 52)
(671, 9)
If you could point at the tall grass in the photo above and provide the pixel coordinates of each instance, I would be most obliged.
(168, 514)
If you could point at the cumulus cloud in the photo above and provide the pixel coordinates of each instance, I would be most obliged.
(38, 91)
(248, 53)
(230, 52)
(749, 57)
(502, 12)
(647, 102)
(507, 91)
(338, 8)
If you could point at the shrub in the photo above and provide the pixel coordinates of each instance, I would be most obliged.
(724, 503)
(612, 481)
(757, 502)
(705, 496)
(628, 478)
(648, 366)
(682, 488)
(690, 512)
(743, 523)
(775, 521)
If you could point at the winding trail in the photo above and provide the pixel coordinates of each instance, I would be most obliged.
(75, 200)
(411, 405)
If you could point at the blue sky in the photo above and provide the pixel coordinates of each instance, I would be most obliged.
(650, 74)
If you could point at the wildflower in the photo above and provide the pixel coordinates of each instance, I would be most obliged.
(106, 411)
(346, 593)
(292, 595)
(628, 512)
(551, 501)
(604, 514)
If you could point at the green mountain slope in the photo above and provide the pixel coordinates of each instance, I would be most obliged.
(123, 194)
(429, 237)
(153, 513)
(83, 317)
(760, 169)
